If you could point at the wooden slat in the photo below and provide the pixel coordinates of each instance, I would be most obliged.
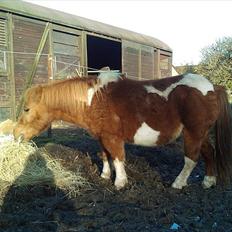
(10, 58)
(26, 38)
(147, 63)
(65, 38)
(131, 63)
(157, 73)
(3, 33)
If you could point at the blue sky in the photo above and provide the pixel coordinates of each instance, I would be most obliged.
(186, 26)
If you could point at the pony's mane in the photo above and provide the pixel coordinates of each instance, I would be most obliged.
(73, 94)
(68, 95)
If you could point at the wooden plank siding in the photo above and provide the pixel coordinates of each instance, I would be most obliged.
(26, 38)
(147, 62)
(165, 61)
(5, 83)
(144, 62)
(10, 66)
(130, 59)
(65, 53)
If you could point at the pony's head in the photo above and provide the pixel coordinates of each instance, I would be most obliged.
(35, 117)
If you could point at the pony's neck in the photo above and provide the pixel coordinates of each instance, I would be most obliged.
(78, 119)
(67, 100)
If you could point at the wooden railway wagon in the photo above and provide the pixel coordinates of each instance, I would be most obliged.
(38, 44)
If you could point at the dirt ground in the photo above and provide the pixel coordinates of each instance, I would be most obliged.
(148, 203)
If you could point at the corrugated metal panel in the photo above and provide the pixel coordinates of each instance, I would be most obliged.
(3, 34)
(28, 9)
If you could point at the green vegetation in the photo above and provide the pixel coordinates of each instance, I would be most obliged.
(216, 63)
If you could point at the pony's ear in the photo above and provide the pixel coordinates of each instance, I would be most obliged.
(34, 93)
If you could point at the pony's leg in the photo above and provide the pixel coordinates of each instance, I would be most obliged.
(121, 177)
(115, 147)
(106, 172)
(192, 146)
(207, 152)
(181, 179)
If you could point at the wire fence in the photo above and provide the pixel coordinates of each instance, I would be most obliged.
(68, 65)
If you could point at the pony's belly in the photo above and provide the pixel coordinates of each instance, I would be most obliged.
(146, 136)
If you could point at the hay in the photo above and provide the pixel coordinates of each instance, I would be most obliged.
(23, 164)
(6, 127)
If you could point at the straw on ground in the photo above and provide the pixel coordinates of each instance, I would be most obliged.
(23, 164)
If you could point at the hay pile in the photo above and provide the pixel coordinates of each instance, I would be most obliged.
(23, 164)
(6, 127)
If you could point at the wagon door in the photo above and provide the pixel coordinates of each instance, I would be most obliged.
(66, 55)
(138, 60)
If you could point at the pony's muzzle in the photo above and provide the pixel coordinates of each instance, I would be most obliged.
(19, 139)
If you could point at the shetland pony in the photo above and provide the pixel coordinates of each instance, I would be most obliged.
(116, 110)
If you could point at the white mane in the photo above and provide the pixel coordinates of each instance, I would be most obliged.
(104, 78)
(107, 77)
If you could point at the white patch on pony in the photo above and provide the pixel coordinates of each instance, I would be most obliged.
(209, 181)
(108, 77)
(192, 80)
(121, 177)
(146, 136)
(152, 89)
(198, 82)
(105, 78)
(90, 94)
(181, 179)
(106, 172)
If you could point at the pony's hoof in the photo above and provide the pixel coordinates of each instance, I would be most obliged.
(105, 176)
(178, 185)
(209, 181)
(120, 183)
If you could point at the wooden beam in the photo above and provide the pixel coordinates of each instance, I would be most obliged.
(153, 64)
(10, 58)
(50, 56)
(170, 65)
(83, 53)
(34, 67)
(140, 64)
(66, 29)
(157, 64)
(50, 66)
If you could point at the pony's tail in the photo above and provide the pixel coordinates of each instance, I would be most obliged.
(223, 146)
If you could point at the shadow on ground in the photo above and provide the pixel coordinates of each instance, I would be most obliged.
(146, 204)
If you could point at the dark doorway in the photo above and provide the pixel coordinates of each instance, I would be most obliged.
(103, 52)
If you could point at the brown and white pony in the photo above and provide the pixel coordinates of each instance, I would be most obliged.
(116, 110)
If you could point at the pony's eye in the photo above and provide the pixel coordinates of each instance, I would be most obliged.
(26, 109)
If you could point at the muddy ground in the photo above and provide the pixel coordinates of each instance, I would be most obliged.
(148, 203)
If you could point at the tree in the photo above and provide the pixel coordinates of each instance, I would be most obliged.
(216, 63)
